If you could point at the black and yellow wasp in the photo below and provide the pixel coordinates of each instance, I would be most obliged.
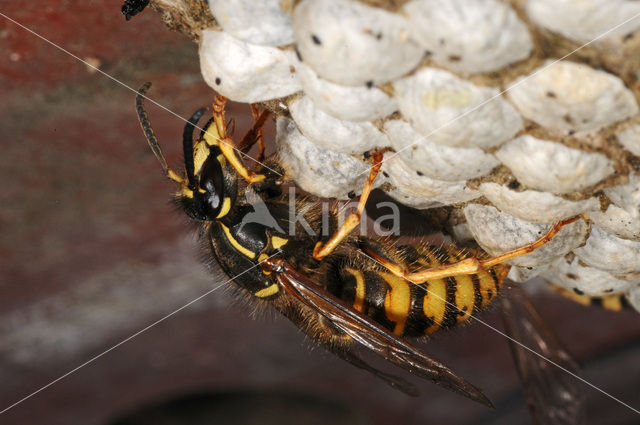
(346, 292)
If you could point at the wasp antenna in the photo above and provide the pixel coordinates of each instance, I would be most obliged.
(148, 133)
(187, 145)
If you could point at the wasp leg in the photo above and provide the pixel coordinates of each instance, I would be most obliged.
(227, 146)
(255, 134)
(322, 250)
(470, 265)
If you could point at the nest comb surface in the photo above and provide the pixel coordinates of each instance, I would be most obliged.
(515, 113)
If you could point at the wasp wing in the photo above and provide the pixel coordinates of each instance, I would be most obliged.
(553, 396)
(371, 335)
(392, 380)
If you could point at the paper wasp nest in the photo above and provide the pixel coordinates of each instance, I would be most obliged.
(493, 107)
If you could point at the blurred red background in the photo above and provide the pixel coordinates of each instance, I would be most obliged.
(91, 252)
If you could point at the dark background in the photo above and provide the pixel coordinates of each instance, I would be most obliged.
(91, 252)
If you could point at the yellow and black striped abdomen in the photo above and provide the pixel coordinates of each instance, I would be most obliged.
(452, 300)
(412, 309)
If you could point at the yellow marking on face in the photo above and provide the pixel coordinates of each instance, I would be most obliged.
(200, 155)
(397, 301)
(278, 242)
(268, 291)
(358, 302)
(488, 288)
(434, 305)
(221, 159)
(465, 297)
(211, 135)
(246, 252)
(186, 192)
(226, 206)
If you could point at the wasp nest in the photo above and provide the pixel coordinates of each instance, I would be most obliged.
(515, 113)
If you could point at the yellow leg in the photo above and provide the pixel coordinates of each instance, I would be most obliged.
(322, 250)
(471, 265)
(227, 146)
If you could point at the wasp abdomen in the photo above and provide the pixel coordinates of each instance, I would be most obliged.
(412, 309)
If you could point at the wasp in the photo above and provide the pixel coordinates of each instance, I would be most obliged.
(347, 293)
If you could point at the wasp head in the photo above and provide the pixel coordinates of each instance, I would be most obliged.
(209, 186)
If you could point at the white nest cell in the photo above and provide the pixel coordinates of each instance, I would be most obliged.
(497, 233)
(525, 274)
(533, 205)
(610, 253)
(351, 103)
(461, 233)
(437, 161)
(586, 20)
(630, 139)
(318, 171)
(622, 217)
(572, 97)
(412, 201)
(353, 44)
(575, 276)
(422, 189)
(552, 167)
(627, 195)
(246, 72)
(265, 22)
(469, 36)
(332, 133)
(454, 112)
(619, 222)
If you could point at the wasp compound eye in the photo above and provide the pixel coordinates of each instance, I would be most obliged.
(211, 181)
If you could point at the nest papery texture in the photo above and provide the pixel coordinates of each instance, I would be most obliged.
(475, 99)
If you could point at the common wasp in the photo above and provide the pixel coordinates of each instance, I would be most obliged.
(348, 293)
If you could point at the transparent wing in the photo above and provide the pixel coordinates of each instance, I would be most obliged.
(553, 396)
